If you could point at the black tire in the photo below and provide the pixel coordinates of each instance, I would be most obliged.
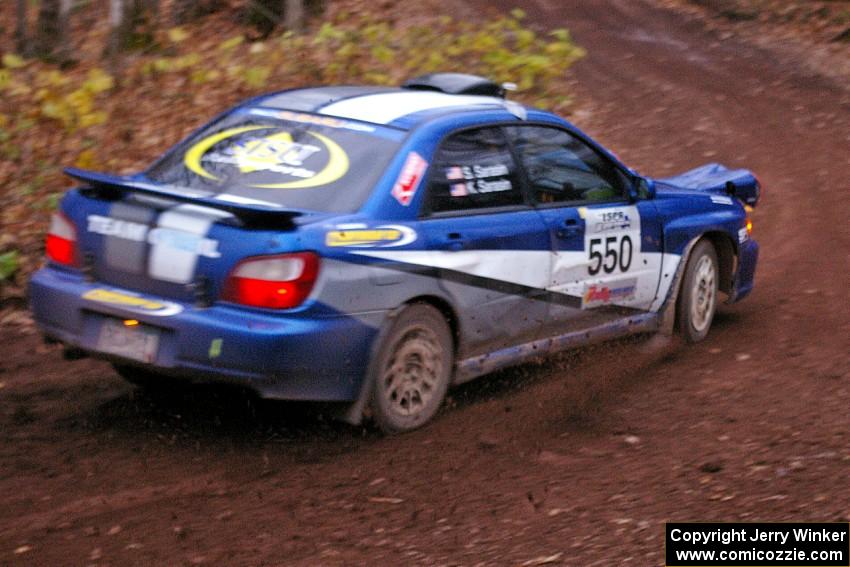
(412, 369)
(697, 301)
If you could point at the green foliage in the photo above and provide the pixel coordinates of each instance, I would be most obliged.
(177, 35)
(502, 49)
(232, 43)
(365, 49)
(12, 61)
(72, 105)
(8, 264)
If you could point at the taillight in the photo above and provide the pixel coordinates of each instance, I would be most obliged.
(61, 244)
(273, 282)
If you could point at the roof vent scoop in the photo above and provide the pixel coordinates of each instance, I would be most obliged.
(455, 83)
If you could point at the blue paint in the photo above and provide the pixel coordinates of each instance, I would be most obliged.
(321, 349)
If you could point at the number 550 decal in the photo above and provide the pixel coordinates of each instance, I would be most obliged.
(609, 253)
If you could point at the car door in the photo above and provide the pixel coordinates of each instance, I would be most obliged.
(489, 245)
(605, 244)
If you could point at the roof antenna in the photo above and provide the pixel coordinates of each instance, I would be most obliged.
(516, 109)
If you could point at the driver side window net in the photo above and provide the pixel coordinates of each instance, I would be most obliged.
(473, 170)
(563, 169)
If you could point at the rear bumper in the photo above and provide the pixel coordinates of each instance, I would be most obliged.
(284, 356)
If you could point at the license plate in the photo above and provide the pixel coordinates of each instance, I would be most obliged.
(138, 342)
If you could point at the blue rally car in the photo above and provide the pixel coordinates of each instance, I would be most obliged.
(374, 246)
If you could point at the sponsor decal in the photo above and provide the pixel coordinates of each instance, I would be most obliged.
(743, 235)
(215, 348)
(360, 236)
(159, 236)
(465, 180)
(409, 179)
(612, 239)
(133, 302)
(318, 120)
(605, 294)
(251, 153)
(612, 220)
(721, 200)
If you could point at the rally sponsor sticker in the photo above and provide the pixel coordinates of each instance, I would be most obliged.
(409, 179)
(361, 236)
(268, 157)
(318, 120)
(133, 302)
(609, 293)
(157, 236)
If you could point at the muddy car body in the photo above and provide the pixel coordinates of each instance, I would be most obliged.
(373, 246)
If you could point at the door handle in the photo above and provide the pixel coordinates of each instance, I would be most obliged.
(569, 228)
(453, 241)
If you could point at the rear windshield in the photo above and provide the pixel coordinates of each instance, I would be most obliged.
(297, 160)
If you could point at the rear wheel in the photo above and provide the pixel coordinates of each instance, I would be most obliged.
(698, 296)
(412, 369)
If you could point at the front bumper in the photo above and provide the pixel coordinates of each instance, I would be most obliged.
(280, 355)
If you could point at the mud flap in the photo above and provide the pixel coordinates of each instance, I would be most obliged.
(668, 308)
(354, 412)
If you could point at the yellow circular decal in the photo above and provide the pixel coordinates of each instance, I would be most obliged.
(273, 152)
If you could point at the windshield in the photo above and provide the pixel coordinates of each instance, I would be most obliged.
(292, 159)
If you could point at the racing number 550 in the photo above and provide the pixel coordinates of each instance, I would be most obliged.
(617, 253)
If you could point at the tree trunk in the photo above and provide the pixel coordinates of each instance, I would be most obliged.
(184, 11)
(117, 29)
(64, 37)
(21, 44)
(264, 15)
(294, 15)
(155, 9)
(47, 31)
(53, 29)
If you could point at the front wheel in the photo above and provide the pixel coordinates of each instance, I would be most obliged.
(412, 369)
(698, 295)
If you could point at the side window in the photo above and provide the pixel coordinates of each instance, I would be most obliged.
(474, 169)
(561, 168)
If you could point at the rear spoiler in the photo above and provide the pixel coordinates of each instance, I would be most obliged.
(249, 211)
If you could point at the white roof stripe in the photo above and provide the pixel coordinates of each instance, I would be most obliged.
(383, 108)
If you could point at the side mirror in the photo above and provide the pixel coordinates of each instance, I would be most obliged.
(644, 187)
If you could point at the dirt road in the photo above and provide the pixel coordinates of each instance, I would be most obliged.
(579, 461)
